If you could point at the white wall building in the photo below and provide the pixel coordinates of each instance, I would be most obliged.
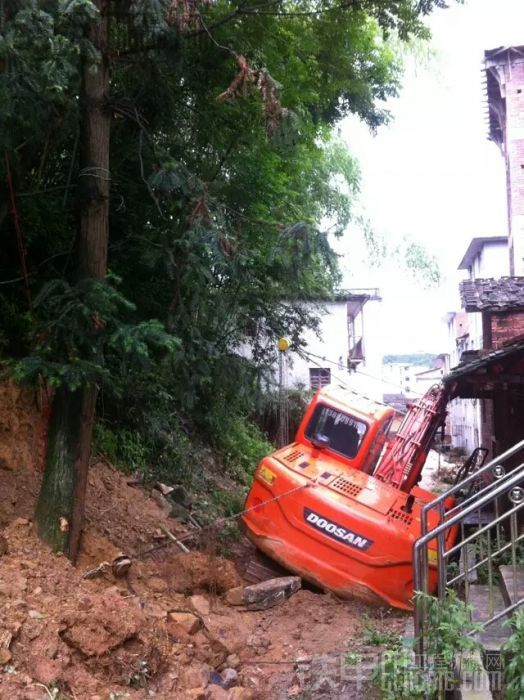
(340, 350)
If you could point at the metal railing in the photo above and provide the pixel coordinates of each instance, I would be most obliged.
(479, 526)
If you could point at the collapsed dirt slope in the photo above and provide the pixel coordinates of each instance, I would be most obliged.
(165, 629)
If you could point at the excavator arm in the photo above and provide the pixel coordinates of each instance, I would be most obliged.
(402, 463)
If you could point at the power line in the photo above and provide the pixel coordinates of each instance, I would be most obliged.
(345, 383)
(364, 374)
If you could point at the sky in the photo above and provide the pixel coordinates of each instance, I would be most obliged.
(432, 174)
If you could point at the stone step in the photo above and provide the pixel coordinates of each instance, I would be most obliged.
(469, 554)
(512, 583)
(484, 607)
(474, 683)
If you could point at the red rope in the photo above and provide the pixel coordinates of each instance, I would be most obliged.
(18, 229)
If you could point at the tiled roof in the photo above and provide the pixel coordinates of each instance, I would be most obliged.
(492, 294)
(513, 351)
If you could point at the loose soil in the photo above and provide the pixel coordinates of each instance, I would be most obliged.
(107, 638)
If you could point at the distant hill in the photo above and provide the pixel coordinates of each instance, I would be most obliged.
(418, 358)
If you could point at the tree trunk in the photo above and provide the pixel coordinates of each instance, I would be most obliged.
(60, 507)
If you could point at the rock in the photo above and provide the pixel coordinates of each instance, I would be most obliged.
(267, 594)
(211, 649)
(4, 548)
(240, 693)
(120, 565)
(32, 630)
(163, 488)
(196, 676)
(229, 678)
(35, 615)
(107, 625)
(178, 512)
(51, 649)
(233, 661)
(45, 670)
(157, 584)
(37, 591)
(235, 596)
(5, 638)
(200, 604)
(5, 656)
(180, 495)
(182, 623)
(215, 692)
(20, 522)
(161, 502)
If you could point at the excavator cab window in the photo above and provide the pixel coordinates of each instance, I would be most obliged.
(339, 431)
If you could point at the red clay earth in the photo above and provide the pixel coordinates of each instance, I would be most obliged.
(164, 631)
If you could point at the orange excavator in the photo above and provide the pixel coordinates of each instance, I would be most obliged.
(340, 506)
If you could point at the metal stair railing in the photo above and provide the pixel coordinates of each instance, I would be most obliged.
(490, 524)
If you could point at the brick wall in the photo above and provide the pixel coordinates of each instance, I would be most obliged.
(505, 327)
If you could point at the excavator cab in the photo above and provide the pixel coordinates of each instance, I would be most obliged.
(340, 506)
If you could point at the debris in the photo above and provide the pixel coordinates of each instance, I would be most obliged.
(263, 595)
(20, 522)
(163, 488)
(267, 594)
(180, 495)
(161, 502)
(157, 584)
(200, 605)
(194, 571)
(184, 622)
(103, 569)
(235, 596)
(197, 676)
(136, 479)
(35, 615)
(109, 623)
(5, 639)
(179, 544)
(215, 692)
(240, 693)
(3, 546)
(229, 678)
(233, 661)
(259, 569)
(211, 649)
(120, 565)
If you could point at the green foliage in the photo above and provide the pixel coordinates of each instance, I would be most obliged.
(399, 678)
(242, 447)
(374, 635)
(450, 638)
(513, 658)
(217, 207)
(448, 644)
(77, 326)
(123, 448)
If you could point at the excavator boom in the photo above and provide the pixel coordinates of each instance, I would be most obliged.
(402, 464)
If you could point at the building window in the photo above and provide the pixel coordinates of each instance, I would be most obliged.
(319, 377)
